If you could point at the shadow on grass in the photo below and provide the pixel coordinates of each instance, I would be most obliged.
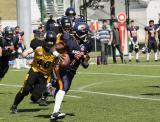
(151, 94)
(53, 101)
(32, 110)
(153, 86)
(6, 93)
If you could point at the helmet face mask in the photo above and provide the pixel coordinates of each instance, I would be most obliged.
(67, 27)
(66, 24)
(49, 40)
(81, 30)
(8, 32)
(9, 36)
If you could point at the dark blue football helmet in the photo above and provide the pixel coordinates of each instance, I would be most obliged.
(66, 23)
(71, 13)
(8, 32)
(81, 29)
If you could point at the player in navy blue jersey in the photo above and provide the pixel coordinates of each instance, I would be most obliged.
(79, 48)
(150, 39)
(133, 44)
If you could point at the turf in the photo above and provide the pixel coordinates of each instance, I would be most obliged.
(112, 93)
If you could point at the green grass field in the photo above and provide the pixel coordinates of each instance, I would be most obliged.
(112, 93)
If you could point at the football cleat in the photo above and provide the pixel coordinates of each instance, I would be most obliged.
(137, 61)
(14, 109)
(43, 102)
(57, 115)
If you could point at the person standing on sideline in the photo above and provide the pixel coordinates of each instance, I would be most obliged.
(133, 43)
(116, 43)
(50, 24)
(105, 39)
(151, 35)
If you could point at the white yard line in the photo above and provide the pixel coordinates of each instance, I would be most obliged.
(101, 93)
(136, 65)
(118, 74)
(117, 95)
(8, 85)
(98, 83)
(73, 96)
(17, 70)
(92, 84)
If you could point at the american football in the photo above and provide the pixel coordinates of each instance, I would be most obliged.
(65, 60)
(61, 47)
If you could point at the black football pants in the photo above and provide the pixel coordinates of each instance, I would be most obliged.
(35, 83)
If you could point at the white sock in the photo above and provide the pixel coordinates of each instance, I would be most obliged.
(137, 56)
(17, 61)
(155, 56)
(147, 56)
(130, 56)
(58, 100)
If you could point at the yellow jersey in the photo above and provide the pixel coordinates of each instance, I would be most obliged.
(43, 62)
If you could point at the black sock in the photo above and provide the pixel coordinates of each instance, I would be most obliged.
(19, 97)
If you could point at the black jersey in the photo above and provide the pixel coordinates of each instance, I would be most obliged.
(5, 43)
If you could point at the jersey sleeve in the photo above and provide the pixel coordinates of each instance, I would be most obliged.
(35, 43)
(128, 28)
(146, 28)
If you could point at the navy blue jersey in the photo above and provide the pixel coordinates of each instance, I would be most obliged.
(75, 47)
(133, 32)
(151, 32)
(83, 49)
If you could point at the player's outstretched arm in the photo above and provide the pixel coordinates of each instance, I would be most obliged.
(27, 52)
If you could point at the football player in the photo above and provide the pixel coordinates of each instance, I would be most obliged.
(79, 48)
(133, 44)
(40, 71)
(8, 47)
(65, 37)
(150, 39)
(71, 13)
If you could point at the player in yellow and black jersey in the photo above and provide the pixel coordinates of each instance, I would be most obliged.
(40, 71)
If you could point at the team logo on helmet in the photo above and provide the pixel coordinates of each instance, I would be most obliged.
(82, 27)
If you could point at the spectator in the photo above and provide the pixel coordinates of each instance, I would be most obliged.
(50, 24)
(39, 33)
(116, 42)
(19, 61)
(105, 39)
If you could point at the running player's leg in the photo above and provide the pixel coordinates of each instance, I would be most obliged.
(25, 90)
